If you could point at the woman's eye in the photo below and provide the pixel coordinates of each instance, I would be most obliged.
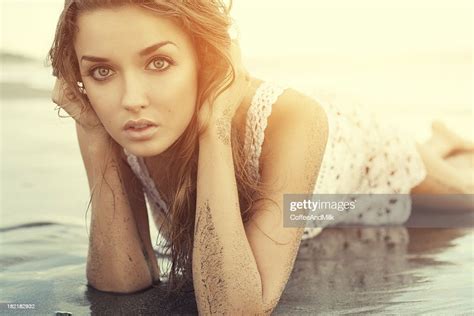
(159, 64)
(101, 73)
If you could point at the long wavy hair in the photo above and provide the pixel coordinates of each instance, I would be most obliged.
(207, 22)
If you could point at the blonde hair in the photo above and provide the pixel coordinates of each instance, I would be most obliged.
(207, 22)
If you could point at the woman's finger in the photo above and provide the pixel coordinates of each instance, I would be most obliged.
(60, 93)
(66, 98)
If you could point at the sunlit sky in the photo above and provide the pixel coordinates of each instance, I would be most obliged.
(281, 27)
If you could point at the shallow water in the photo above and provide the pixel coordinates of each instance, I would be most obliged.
(389, 271)
(342, 271)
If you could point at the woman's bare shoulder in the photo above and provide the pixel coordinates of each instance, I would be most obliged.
(296, 121)
(291, 107)
(295, 108)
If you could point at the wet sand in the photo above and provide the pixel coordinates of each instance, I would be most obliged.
(341, 271)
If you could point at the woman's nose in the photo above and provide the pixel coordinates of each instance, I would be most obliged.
(134, 95)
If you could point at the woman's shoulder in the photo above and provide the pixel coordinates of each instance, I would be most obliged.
(295, 109)
(298, 124)
(293, 104)
(295, 141)
(292, 112)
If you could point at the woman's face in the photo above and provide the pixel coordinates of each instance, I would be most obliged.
(136, 65)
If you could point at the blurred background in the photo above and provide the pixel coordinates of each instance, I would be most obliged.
(410, 60)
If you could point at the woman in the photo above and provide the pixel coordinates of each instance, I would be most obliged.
(164, 107)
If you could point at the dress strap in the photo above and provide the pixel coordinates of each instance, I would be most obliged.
(257, 119)
(139, 168)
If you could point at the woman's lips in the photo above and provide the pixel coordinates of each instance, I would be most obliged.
(143, 133)
(138, 123)
(141, 129)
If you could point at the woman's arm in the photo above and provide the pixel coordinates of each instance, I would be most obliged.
(225, 274)
(120, 257)
(243, 268)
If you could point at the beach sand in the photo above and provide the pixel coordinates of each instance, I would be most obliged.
(342, 271)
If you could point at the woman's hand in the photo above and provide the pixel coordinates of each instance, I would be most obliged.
(225, 105)
(82, 113)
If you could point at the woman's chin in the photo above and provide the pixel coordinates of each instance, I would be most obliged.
(143, 150)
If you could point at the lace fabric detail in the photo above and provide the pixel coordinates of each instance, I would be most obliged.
(257, 119)
(383, 160)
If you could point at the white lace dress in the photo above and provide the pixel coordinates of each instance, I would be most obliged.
(362, 155)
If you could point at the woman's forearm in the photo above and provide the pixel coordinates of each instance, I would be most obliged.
(118, 260)
(226, 278)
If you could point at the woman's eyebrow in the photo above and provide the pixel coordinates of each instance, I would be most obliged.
(154, 47)
(143, 52)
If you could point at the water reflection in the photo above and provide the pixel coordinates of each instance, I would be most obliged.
(369, 270)
(343, 270)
